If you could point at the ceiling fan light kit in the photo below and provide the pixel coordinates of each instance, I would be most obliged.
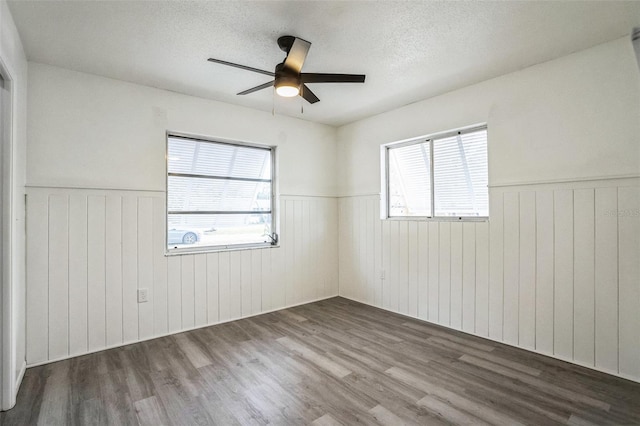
(287, 89)
(289, 80)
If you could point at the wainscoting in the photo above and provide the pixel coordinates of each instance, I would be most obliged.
(89, 251)
(555, 270)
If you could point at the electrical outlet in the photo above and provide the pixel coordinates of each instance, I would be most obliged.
(382, 275)
(143, 295)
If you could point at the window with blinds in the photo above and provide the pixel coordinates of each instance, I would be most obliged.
(445, 176)
(219, 194)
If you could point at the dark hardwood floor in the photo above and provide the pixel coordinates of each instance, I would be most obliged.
(326, 363)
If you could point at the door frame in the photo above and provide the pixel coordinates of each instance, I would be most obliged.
(7, 296)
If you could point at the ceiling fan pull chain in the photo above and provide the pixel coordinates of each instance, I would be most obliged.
(273, 104)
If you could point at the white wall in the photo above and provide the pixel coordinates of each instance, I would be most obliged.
(96, 182)
(93, 132)
(569, 119)
(13, 317)
(555, 270)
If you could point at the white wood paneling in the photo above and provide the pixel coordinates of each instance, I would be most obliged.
(91, 250)
(469, 277)
(584, 263)
(527, 271)
(384, 267)
(315, 288)
(629, 279)
(96, 288)
(606, 278)
(402, 267)
(160, 268)
(444, 272)
(361, 267)
(307, 289)
(38, 278)
(213, 306)
(256, 282)
(245, 282)
(187, 284)
(496, 265)
(370, 243)
(113, 270)
(456, 275)
(423, 267)
(482, 279)
(298, 253)
(511, 267)
(288, 239)
(223, 285)
(544, 271)
(58, 276)
(392, 273)
(174, 294)
(563, 261)
(434, 271)
(235, 285)
(554, 270)
(145, 266)
(130, 268)
(78, 343)
(413, 268)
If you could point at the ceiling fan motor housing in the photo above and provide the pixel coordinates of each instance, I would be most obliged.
(285, 43)
(286, 77)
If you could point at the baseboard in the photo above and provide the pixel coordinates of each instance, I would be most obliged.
(119, 345)
(547, 354)
(23, 369)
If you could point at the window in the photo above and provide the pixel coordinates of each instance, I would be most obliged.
(444, 176)
(220, 195)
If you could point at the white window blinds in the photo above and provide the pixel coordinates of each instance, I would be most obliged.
(461, 175)
(410, 180)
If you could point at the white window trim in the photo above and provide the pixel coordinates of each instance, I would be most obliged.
(275, 198)
(384, 176)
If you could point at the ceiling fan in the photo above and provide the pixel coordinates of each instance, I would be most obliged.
(289, 80)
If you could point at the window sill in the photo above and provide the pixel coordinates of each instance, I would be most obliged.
(217, 249)
(439, 218)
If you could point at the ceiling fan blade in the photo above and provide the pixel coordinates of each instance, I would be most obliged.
(332, 78)
(296, 56)
(244, 67)
(308, 95)
(255, 89)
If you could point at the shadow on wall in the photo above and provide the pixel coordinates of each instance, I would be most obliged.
(635, 39)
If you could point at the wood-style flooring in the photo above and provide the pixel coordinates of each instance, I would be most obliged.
(325, 363)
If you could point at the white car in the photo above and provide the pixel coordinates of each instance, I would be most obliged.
(183, 236)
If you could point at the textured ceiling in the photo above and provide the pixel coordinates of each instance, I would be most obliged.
(408, 50)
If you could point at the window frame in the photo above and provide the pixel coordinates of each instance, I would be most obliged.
(385, 175)
(275, 222)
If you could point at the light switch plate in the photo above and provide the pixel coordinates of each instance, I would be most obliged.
(143, 295)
